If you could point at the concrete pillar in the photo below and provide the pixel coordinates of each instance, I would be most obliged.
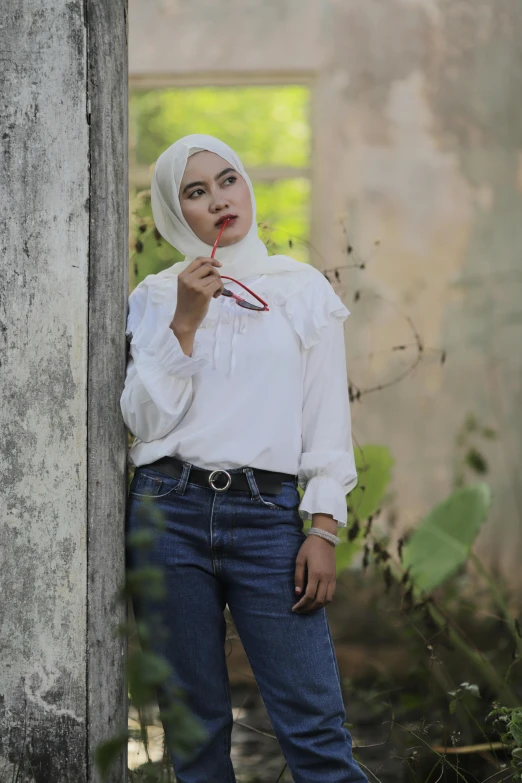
(63, 287)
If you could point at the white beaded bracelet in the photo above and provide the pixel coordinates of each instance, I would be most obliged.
(318, 531)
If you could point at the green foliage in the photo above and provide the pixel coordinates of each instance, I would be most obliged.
(442, 542)
(345, 552)
(464, 692)
(145, 672)
(183, 730)
(150, 253)
(142, 538)
(107, 753)
(469, 457)
(508, 721)
(282, 212)
(147, 581)
(265, 125)
(374, 464)
(476, 461)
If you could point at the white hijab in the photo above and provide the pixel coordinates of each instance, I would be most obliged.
(247, 258)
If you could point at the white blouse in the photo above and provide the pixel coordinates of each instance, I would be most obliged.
(261, 389)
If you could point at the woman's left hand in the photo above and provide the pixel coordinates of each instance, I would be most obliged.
(316, 557)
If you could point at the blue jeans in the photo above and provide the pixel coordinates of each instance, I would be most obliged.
(238, 548)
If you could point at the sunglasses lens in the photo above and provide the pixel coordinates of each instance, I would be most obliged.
(247, 300)
(251, 306)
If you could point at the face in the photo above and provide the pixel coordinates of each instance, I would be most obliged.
(210, 190)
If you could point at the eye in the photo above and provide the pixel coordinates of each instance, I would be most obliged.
(232, 177)
(199, 190)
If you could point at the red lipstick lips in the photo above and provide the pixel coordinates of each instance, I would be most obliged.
(229, 218)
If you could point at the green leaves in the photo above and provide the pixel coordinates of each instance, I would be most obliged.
(374, 465)
(508, 721)
(442, 542)
(108, 752)
(145, 671)
(463, 693)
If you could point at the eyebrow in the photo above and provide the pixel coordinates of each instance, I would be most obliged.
(218, 176)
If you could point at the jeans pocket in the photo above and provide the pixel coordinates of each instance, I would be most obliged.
(152, 484)
(287, 500)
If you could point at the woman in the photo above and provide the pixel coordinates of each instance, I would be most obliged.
(231, 409)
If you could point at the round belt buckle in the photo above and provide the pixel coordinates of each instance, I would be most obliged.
(211, 478)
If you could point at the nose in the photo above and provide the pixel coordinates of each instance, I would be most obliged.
(218, 203)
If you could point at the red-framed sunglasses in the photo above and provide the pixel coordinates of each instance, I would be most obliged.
(241, 302)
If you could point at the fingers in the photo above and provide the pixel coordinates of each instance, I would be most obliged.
(199, 269)
(330, 592)
(299, 576)
(213, 288)
(203, 270)
(307, 602)
(208, 282)
(201, 261)
(205, 279)
(320, 596)
(319, 591)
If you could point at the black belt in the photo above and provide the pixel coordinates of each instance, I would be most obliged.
(268, 482)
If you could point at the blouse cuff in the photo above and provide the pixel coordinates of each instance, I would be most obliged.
(324, 495)
(169, 354)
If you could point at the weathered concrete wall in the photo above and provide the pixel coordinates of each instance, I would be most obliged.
(417, 144)
(184, 37)
(430, 121)
(63, 224)
(107, 352)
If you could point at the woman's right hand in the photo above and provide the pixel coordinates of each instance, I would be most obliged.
(197, 284)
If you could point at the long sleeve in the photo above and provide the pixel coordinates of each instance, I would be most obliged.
(158, 383)
(327, 469)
